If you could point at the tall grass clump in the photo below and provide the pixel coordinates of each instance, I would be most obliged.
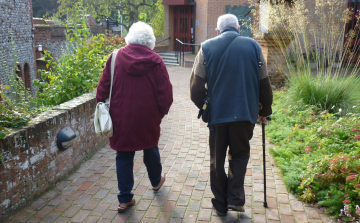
(320, 64)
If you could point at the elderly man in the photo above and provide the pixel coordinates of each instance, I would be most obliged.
(230, 70)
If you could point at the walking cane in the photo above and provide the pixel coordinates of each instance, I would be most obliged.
(263, 139)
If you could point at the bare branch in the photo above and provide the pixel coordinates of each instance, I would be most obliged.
(129, 2)
(143, 3)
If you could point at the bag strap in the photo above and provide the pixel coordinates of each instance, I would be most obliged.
(113, 58)
(217, 65)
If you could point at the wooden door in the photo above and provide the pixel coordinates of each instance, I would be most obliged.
(184, 25)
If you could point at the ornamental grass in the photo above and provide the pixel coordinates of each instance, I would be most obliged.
(319, 55)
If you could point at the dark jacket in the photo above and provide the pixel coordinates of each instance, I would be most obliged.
(232, 75)
(141, 97)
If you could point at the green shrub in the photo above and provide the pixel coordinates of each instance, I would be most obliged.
(318, 154)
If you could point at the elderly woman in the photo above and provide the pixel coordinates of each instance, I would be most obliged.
(141, 97)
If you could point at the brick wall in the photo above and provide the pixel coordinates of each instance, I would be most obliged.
(275, 60)
(169, 27)
(32, 161)
(207, 12)
(216, 9)
(202, 19)
(16, 39)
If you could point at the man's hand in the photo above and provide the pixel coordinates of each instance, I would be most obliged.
(262, 120)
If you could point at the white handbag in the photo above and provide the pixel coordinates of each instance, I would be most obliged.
(102, 120)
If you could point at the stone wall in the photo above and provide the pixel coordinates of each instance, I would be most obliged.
(16, 41)
(52, 38)
(32, 161)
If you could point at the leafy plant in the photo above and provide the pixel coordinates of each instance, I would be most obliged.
(158, 20)
(18, 106)
(76, 72)
(17, 103)
(318, 154)
(130, 10)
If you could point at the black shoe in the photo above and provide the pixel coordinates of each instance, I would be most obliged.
(216, 204)
(236, 208)
(220, 213)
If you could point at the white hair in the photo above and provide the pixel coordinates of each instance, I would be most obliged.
(227, 20)
(141, 33)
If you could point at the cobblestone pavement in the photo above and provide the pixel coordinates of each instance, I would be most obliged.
(89, 194)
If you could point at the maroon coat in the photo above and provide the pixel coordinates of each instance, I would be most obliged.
(141, 97)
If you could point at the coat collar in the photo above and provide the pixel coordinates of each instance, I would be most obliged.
(229, 28)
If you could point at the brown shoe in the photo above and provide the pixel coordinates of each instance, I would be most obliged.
(162, 180)
(124, 206)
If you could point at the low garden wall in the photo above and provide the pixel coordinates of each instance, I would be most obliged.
(161, 48)
(32, 162)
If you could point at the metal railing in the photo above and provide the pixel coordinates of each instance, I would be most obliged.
(180, 49)
(162, 40)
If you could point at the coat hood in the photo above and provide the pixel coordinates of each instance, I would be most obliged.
(137, 59)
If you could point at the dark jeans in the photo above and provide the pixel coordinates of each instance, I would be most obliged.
(229, 190)
(125, 175)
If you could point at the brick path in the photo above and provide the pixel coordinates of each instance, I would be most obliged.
(89, 194)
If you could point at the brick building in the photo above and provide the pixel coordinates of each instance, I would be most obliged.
(194, 21)
(17, 41)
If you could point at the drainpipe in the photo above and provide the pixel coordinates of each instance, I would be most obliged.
(194, 25)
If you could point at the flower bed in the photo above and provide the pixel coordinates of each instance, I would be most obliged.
(319, 155)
